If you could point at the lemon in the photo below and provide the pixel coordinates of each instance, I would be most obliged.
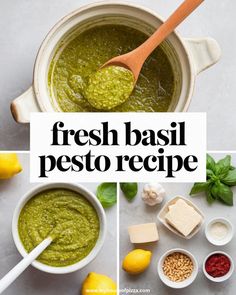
(9, 165)
(98, 284)
(137, 261)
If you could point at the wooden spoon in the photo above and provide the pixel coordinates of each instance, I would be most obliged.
(135, 59)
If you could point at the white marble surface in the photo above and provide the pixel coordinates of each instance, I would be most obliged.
(24, 24)
(33, 281)
(137, 212)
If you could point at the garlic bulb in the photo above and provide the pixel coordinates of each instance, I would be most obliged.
(153, 193)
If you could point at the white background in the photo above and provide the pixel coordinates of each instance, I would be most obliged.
(41, 139)
(24, 24)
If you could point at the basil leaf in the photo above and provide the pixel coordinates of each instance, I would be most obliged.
(226, 161)
(230, 178)
(223, 192)
(209, 173)
(199, 187)
(106, 193)
(215, 190)
(222, 167)
(129, 189)
(210, 163)
(210, 197)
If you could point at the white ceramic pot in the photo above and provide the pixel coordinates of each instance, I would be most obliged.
(188, 56)
(90, 197)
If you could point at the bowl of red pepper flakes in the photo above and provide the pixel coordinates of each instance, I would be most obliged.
(218, 266)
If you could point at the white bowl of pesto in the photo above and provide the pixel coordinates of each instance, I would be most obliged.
(183, 59)
(72, 213)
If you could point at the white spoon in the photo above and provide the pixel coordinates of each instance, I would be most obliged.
(23, 264)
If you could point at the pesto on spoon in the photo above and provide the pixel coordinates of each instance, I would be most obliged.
(109, 87)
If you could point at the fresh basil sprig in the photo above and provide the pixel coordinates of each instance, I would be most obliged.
(221, 176)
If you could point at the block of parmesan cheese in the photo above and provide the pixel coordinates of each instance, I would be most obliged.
(183, 217)
(143, 233)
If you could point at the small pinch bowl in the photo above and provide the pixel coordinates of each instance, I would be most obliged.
(87, 195)
(166, 280)
(223, 278)
(228, 237)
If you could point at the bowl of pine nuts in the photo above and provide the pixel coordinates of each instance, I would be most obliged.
(177, 268)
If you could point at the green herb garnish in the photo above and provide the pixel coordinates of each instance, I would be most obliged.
(221, 176)
(107, 194)
(129, 189)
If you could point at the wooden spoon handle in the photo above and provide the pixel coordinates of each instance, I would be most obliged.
(184, 10)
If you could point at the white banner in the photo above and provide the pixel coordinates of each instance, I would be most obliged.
(126, 147)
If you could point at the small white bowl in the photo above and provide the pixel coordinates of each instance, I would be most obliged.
(219, 279)
(228, 237)
(90, 197)
(167, 281)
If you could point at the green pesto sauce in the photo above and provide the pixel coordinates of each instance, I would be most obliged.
(81, 58)
(109, 87)
(67, 217)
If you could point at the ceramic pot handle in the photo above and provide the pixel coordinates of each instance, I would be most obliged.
(205, 52)
(22, 106)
